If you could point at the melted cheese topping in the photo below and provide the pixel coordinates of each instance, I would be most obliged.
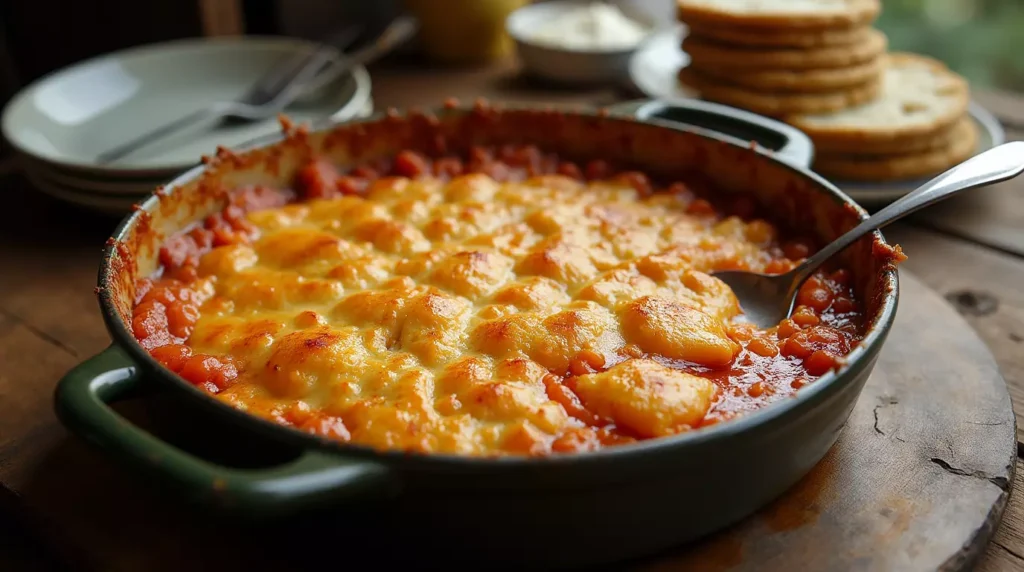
(431, 316)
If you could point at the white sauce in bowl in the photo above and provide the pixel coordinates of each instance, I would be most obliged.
(594, 27)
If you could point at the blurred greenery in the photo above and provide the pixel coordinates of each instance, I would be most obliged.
(981, 39)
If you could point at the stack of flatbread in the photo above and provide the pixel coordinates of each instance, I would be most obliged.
(819, 65)
(779, 57)
(917, 126)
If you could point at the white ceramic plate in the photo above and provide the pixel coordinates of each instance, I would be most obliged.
(654, 68)
(131, 189)
(106, 204)
(69, 117)
(90, 183)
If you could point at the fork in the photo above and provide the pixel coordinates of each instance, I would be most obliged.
(276, 89)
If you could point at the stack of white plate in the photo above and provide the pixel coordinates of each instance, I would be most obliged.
(61, 123)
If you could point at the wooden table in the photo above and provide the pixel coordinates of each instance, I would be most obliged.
(971, 251)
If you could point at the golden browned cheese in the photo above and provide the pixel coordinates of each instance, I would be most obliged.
(647, 398)
(427, 315)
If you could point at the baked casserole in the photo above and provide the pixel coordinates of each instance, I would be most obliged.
(504, 301)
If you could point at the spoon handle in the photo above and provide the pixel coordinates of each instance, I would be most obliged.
(997, 164)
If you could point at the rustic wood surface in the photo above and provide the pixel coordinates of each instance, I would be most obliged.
(49, 322)
(913, 483)
(919, 475)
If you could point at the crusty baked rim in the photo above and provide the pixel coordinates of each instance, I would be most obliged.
(860, 12)
(848, 133)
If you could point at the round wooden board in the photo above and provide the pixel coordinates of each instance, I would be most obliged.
(917, 481)
(919, 477)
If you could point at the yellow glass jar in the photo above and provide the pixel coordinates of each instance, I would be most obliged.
(464, 31)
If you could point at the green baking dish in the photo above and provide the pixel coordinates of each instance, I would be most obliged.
(602, 507)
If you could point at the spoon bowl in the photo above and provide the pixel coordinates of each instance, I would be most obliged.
(766, 299)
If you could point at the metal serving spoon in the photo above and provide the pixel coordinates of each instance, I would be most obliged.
(279, 88)
(767, 300)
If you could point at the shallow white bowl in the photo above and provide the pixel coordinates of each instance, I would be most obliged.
(67, 118)
(91, 183)
(564, 65)
(132, 188)
(110, 205)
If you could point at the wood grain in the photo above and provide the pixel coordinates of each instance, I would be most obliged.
(51, 293)
(984, 286)
(991, 216)
(1005, 551)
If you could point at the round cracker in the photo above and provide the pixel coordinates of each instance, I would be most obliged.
(804, 81)
(938, 140)
(787, 14)
(777, 104)
(919, 98)
(783, 38)
(962, 144)
(710, 53)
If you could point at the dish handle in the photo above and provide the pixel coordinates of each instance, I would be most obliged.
(82, 402)
(785, 142)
